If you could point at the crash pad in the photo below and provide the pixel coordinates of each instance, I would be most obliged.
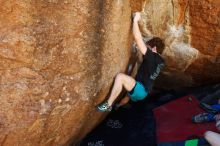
(174, 121)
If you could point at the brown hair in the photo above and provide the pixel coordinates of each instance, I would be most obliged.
(158, 42)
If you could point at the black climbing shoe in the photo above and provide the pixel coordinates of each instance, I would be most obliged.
(116, 106)
(104, 107)
(125, 106)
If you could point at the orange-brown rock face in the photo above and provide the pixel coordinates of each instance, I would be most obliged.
(57, 60)
(191, 31)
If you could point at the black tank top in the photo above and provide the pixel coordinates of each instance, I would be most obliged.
(149, 69)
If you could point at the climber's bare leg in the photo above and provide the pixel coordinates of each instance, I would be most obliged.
(121, 80)
(124, 101)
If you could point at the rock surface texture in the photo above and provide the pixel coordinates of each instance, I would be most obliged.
(191, 30)
(58, 59)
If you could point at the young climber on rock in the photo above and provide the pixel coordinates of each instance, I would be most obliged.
(149, 70)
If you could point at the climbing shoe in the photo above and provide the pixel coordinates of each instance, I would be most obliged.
(125, 106)
(208, 108)
(104, 107)
(116, 106)
(201, 118)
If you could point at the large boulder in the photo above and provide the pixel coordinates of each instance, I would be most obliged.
(58, 60)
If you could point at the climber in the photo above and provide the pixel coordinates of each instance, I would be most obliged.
(149, 70)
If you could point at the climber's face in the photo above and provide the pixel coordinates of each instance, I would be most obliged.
(153, 49)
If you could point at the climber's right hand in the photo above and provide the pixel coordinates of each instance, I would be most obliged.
(137, 16)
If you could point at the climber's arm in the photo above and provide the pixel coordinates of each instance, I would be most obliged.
(137, 34)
